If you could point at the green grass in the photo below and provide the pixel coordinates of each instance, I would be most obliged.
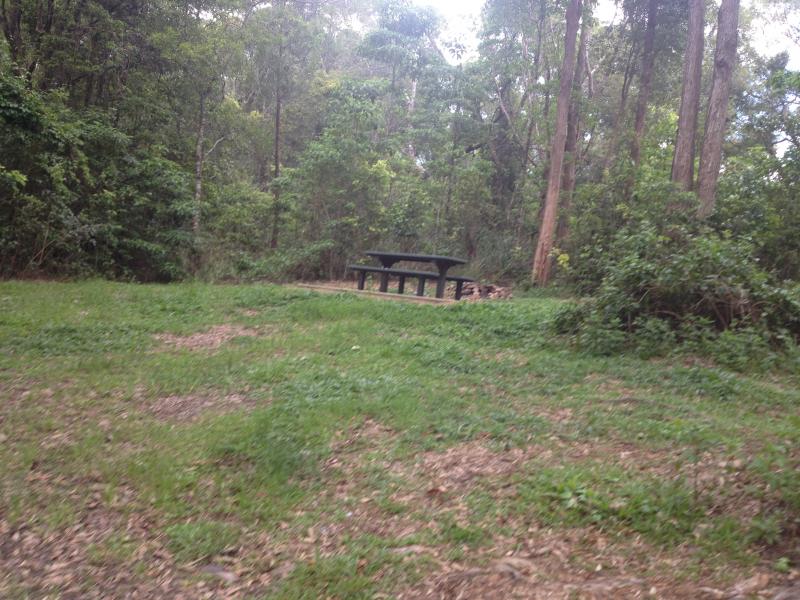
(204, 539)
(81, 369)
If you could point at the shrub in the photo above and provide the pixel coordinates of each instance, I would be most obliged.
(682, 283)
(307, 262)
(681, 273)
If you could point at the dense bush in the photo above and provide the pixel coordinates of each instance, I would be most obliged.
(663, 283)
(76, 196)
(759, 198)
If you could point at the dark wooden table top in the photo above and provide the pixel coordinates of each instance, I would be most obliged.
(389, 258)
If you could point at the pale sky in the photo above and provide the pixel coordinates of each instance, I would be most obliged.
(462, 19)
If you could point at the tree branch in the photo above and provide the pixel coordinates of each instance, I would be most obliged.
(214, 145)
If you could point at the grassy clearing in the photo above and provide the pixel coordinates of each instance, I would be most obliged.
(301, 445)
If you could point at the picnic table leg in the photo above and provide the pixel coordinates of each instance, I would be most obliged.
(459, 285)
(440, 284)
(384, 282)
(402, 285)
(421, 287)
(362, 276)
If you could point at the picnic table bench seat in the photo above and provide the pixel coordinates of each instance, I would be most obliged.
(402, 274)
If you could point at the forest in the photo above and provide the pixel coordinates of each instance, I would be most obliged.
(651, 162)
(197, 402)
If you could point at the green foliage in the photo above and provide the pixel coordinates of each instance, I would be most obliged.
(307, 262)
(758, 200)
(77, 197)
(676, 272)
(663, 511)
(281, 142)
(667, 280)
(41, 163)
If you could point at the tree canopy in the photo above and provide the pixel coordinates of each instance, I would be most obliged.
(231, 139)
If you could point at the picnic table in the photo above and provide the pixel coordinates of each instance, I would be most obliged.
(389, 259)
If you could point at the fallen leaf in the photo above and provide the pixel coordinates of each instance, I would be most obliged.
(413, 549)
(748, 586)
(217, 571)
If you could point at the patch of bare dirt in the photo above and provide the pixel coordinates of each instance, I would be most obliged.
(348, 508)
(529, 563)
(207, 340)
(439, 481)
(346, 442)
(610, 386)
(67, 563)
(345, 472)
(509, 357)
(579, 563)
(109, 551)
(79, 562)
(555, 415)
(502, 580)
(190, 407)
(12, 392)
(458, 465)
(64, 417)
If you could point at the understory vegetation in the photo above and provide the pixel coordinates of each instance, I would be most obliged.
(274, 443)
(667, 282)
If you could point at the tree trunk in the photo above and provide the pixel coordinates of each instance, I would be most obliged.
(683, 159)
(547, 102)
(619, 123)
(540, 26)
(199, 160)
(276, 193)
(573, 133)
(716, 121)
(544, 246)
(412, 99)
(12, 30)
(645, 81)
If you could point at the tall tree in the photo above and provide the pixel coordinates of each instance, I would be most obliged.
(573, 134)
(716, 121)
(542, 261)
(276, 163)
(683, 159)
(645, 81)
(627, 42)
(283, 39)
